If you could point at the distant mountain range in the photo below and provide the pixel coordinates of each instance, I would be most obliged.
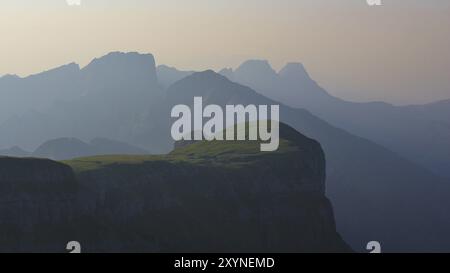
(14, 152)
(378, 192)
(420, 133)
(69, 148)
(110, 98)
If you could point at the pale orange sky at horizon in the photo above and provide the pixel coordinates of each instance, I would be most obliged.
(397, 53)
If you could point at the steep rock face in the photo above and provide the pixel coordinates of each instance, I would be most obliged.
(37, 200)
(130, 71)
(223, 212)
(203, 196)
(213, 197)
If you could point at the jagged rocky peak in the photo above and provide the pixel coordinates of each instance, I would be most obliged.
(256, 68)
(118, 68)
(258, 74)
(122, 58)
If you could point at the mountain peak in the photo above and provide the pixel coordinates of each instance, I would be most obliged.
(14, 151)
(259, 67)
(253, 71)
(215, 88)
(118, 58)
(208, 74)
(117, 69)
(294, 70)
(205, 78)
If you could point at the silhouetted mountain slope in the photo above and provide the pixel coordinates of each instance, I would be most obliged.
(439, 111)
(68, 148)
(14, 152)
(104, 146)
(116, 94)
(36, 92)
(420, 133)
(204, 197)
(368, 184)
(63, 148)
(169, 75)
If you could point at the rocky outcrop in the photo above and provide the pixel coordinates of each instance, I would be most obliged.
(202, 197)
(37, 204)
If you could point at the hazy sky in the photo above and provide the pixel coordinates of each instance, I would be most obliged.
(399, 52)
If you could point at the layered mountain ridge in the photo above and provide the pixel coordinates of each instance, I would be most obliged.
(376, 193)
(419, 133)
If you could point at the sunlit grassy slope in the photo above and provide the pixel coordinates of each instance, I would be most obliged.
(232, 154)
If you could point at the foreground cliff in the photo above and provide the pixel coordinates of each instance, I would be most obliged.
(38, 200)
(202, 197)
